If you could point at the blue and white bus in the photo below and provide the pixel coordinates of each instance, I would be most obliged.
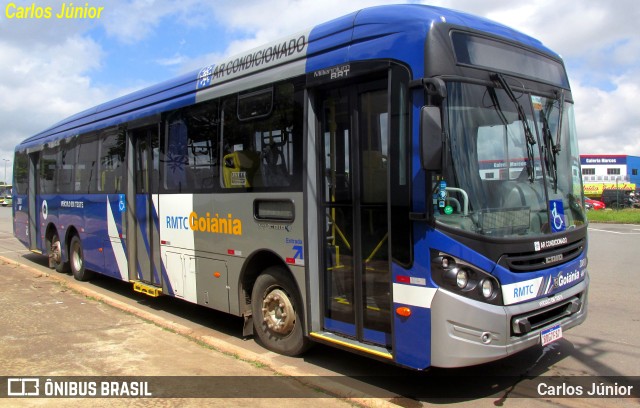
(334, 187)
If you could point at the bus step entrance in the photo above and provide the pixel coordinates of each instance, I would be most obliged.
(332, 338)
(147, 289)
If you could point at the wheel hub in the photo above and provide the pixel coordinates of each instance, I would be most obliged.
(278, 313)
(76, 258)
(56, 252)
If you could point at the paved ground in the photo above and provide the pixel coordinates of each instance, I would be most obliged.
(50, 329)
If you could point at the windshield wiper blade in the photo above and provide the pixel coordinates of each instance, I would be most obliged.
(528, 134)
(556, 146)
(551, 150)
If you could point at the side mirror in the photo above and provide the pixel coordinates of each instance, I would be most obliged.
(431, 138)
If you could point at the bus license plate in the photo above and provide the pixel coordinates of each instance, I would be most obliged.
(551, 334)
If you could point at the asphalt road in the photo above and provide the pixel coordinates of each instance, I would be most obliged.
(607, 344)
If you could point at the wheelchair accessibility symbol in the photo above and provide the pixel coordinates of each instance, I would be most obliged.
(557, 216)
(122, 203)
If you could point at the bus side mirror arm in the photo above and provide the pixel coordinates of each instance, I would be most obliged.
(431, 138)
(434, 87)
(430, 122)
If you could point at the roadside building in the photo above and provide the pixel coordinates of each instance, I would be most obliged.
(609, 171)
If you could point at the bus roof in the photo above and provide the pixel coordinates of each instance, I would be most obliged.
(335, 42)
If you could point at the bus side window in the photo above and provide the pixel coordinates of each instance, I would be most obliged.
(189, 150)
(47, 168)
(175, 157)
(85, 170)
(111, 163)
(66, 164)
(21, 173)
(262, 146)
(273, 161)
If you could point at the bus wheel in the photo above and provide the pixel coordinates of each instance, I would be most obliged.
(76, 260)
(276, 312)
(55, 255)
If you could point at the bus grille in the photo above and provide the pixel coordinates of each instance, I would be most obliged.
(534, 261)
(527, 322)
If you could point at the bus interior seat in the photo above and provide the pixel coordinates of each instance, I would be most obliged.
(238, 162)
(525, 195)
(274, 170)
(207, 180)
(202, 177)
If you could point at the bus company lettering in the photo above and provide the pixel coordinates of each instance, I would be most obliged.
(562, 279)
(177, 222)
(214, 225)
(67, 11)
(523, 291)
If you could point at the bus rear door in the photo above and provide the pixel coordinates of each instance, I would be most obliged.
(32, 195)
(143, 245)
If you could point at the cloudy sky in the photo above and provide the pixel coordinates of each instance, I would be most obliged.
(52, 68)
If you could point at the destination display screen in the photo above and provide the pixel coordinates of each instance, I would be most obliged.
(495, 55)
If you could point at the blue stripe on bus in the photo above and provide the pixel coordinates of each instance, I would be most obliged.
(340, 327)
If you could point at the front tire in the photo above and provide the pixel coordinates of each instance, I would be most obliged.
(276, 310)
(76, 260)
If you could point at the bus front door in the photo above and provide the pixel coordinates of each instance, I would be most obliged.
(143, 243)
(354, 207)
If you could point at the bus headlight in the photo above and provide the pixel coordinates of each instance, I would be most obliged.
(487, 288)
(462, 278)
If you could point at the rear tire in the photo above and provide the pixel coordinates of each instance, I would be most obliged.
(276, 311)
(76, 260)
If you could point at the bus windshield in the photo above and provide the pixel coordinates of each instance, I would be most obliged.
(498, 180)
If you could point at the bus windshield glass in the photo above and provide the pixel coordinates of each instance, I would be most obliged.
(499, 182)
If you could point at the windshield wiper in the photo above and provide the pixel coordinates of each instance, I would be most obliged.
(556, 146)
(528, 134)
(551, 149)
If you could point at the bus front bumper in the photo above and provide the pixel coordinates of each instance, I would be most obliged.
(466, 332)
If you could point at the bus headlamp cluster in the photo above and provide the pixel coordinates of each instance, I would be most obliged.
(460, 277)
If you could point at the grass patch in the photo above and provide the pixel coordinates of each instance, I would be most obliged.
(626, 216)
